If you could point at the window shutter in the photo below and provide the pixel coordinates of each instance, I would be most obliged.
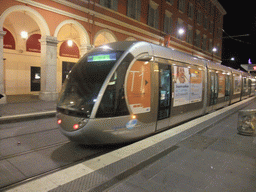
(150, 16)
(156, 18)
(138, 9)
(199, 41)
(102, 2)
(115, 5)
(129, 8)
(191, 36)
(191, 11)
(187, 35)
(166, 23)
(170, 25)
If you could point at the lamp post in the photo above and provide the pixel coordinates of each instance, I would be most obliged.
(229, 62)
(214, 50)
(181, 31)
(231, 59)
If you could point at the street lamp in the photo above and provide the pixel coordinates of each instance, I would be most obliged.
(230, 59)
(70, 43)
(214, 49)
(24, 34)
(181, 31)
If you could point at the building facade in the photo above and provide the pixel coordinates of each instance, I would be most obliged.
(40, 40)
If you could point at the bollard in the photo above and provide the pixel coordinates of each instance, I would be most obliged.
(246, 122)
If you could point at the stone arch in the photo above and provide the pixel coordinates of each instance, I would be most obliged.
(42, 24)
(104, 36)
(75, 31)
(84, 37)
(12, 83)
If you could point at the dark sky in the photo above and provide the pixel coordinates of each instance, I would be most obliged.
(239, 20)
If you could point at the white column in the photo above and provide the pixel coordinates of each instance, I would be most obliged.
(48, 68)
(2, 80)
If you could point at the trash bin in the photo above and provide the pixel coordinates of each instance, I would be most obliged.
(246, 122)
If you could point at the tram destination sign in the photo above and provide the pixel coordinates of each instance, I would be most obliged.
(102, 57)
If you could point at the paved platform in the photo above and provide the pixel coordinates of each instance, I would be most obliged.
(22, 107)
(205, 154)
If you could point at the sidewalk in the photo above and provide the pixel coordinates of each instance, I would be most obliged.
(204, 154)
(26, 106)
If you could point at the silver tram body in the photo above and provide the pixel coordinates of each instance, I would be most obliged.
(124, 91)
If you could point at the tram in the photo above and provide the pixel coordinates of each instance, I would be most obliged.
(124, 91)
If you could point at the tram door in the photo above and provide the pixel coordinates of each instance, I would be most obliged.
(213, 88)
(249, 86)
(164, 96)
(164, 92)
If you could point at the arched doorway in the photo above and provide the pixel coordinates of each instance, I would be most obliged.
(19, 62)
(73, 43)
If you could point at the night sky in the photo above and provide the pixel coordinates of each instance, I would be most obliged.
(239, 20)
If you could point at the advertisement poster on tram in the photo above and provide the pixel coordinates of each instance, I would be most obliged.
(221, 85)
(139, 87)
(187, 85)
(181, 85)
(196, 85)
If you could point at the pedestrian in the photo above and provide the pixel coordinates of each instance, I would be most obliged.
(1, 96)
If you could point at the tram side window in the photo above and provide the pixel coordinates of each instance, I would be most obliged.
(213, 88)
(216, 86)
(164, 91)
(236, 84)
(249, 86)
(113, 102)
(245, 86)
(227, 87)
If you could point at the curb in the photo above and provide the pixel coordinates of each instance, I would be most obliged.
(27, 116)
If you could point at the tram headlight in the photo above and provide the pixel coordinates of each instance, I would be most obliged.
(59, 121)
(75, 126)
(80, 124)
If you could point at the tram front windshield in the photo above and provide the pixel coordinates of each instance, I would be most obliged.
(82, 86)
